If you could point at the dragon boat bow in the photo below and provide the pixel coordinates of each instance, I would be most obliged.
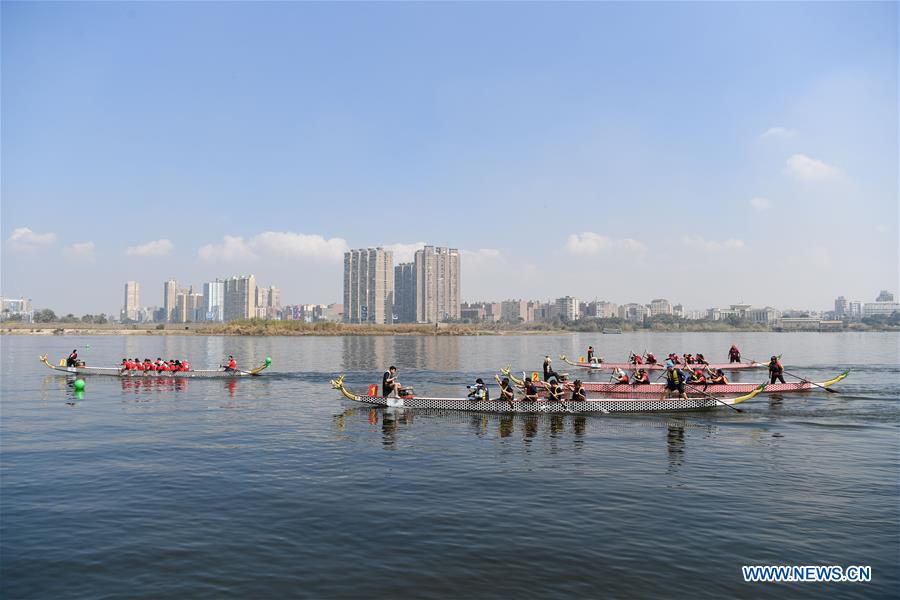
(590, 406)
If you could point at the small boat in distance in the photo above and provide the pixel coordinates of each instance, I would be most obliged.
(118, 372)
(647, 404)
(611, 330)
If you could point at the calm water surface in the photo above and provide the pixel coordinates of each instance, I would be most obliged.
(275, 487)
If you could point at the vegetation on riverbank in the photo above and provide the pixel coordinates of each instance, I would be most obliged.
(261, 327)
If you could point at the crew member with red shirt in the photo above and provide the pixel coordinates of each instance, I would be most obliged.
(232, 364)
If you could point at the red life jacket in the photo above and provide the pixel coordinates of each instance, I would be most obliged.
(232, 364)
(185, 366)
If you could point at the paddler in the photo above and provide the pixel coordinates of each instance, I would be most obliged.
(698, 378)
(554, 392)
(649, 358)
(506, 391)
(734, 355)
(688, 358)
(478, 392)
(529, 390)
(718, 377)
(389, 384)
(776, 370)
(674, 381)
(639, 377)
(72, 361)
(578, 392)
(620, 376)
(700, 360)
(636, 359)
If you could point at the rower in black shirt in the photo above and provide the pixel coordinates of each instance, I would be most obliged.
(389, 384)
(578, 392)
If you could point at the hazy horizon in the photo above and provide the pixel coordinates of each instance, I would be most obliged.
(703, 153)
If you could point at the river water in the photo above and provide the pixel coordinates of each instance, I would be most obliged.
(276, 487)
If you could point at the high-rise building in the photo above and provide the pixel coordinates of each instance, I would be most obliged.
(214, 301)
(635, 313)
(516, 311)
(567, 308)
(660, 306)
(132, 301)
(437, 284)
(840, 307)
(885, 296)
(170, 291)
(240, 298)
(405, 292)
(369, 286)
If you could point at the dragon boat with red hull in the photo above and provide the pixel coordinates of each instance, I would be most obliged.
(610, 366)
(646, 404)
(597, 387)
(118, 372)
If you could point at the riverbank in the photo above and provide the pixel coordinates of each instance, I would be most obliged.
(259, 327)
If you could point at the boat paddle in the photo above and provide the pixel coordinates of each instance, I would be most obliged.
(719, 400)
(829, 390)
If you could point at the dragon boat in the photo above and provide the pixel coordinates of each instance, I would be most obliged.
(117, 372)
(590, 406)
(597, 387)
(610, 366)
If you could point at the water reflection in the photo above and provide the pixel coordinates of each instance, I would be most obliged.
(376, 353)
(675, 446)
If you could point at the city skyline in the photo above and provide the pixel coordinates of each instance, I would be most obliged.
(617, 159)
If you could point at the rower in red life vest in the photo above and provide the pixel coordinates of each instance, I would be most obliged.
(718, 377)
(776, 370)
(734, 355)
(620, 376)
(698, 378)
(185, 366)
(636, 359)
(158, 365)
(674, 358)
(232, 364)
(700, 360)
(639, 377)
(126, 365)
(688, 358)
(649, 358)
(138, 365)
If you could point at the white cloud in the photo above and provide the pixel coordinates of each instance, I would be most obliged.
(778, 132)
(589, 243)
(23, 237)
(286, 244)
(299, 245)
(154, 248)
(805, 168)
(404, 253)
(482, 254)
(232, 248)
(711, 246)
(760, 203)
(82, 252)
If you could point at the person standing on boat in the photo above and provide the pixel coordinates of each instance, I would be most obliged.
(776, 370)
(548, 369)
(578, 392)
(389, 384)
(590, 354)
(72, 361)
(734, 355)
(674, 381)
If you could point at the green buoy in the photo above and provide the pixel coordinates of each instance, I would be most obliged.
(79, 385)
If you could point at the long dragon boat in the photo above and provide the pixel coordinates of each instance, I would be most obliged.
(117, 372)
(590, 406)
(598, 387)
(609, 366)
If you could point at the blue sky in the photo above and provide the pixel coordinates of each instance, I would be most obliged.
(706, 153)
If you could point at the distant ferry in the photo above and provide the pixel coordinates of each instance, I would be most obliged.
(612, 330)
